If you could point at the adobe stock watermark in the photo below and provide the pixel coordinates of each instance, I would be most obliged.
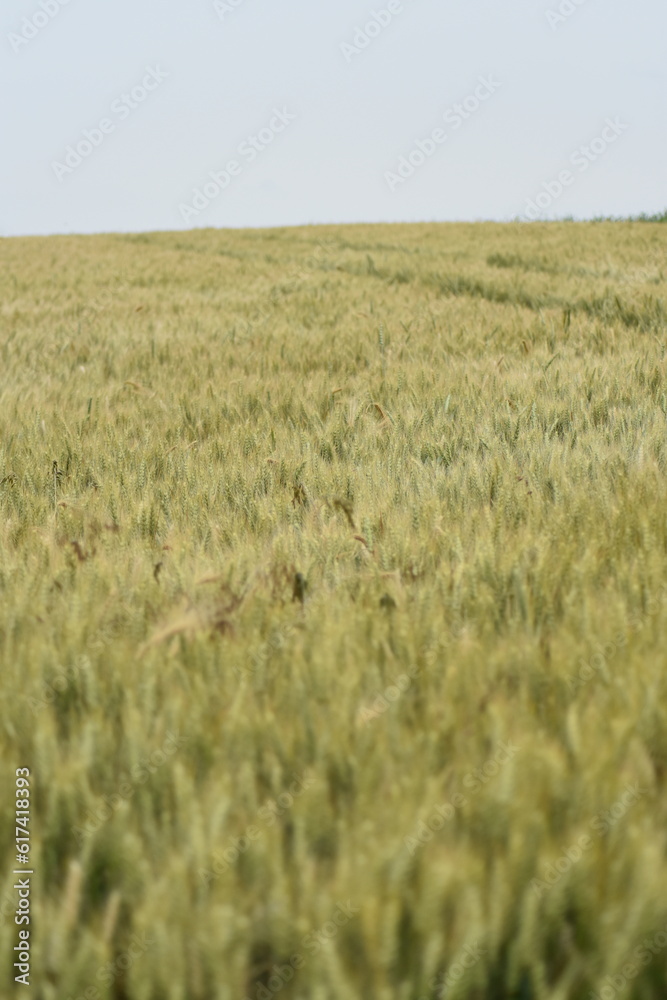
(658, 259)
(107, 974)
(105, 299)
(31, 26)
(643, 955)
(77, 671)
(263, 655)
(474, 780)
(365, 34)
(565, 9)
(599, 661)
(312, 264)
(467, 958)
(249, 150)
(225, 7)
(7, 908)
(581, 159)
(602, 823)
(121, 108)
(455, 116)
(382, 701)
(313, 942)
(268, 814)
(140, 773)
(59, 683)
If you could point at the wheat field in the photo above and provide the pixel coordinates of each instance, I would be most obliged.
(332, 612)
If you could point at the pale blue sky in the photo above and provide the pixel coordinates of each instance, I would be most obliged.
(356, 112)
